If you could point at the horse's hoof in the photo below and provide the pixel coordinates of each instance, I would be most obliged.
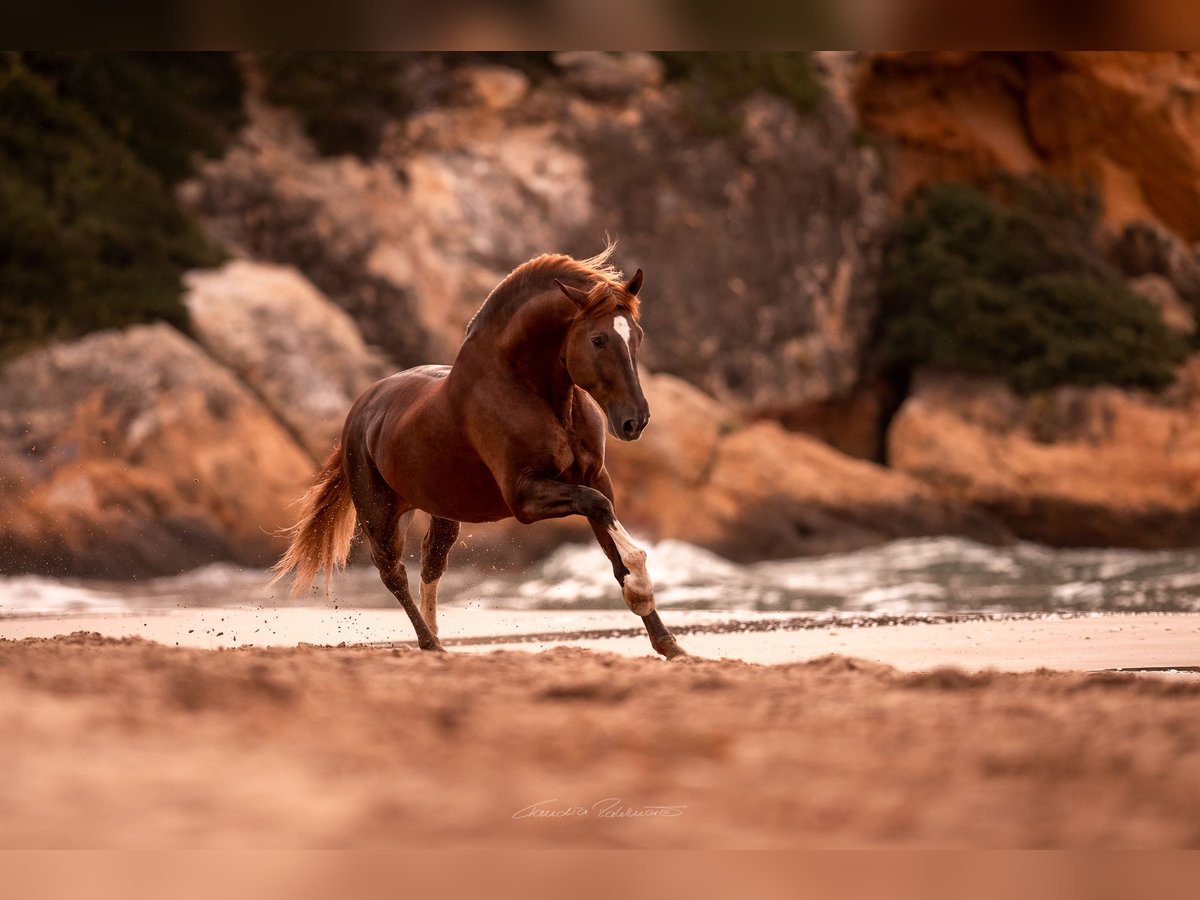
(435, 646)
(671, 650)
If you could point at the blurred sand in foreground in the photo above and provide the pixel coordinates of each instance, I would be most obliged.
(129, 743)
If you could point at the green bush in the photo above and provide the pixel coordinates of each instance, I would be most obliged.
(1016, 290)
(89, 236)
(345, 100)
(164, 107)
(719, 80)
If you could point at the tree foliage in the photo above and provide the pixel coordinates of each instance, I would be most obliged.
(345, 100)
(90, 233)
(1016, 289)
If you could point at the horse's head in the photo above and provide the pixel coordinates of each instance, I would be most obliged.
(602, 353)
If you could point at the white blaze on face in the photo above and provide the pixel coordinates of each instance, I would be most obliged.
(621, 327)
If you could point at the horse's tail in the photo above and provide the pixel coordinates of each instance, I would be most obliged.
(321, 539)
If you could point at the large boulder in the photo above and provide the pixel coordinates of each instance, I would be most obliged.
(302, 355)
(751, 490)
(133, 453)
(1073, 466)
(761, 247)
(1158, 291)
(1144, 250)
(409, 244)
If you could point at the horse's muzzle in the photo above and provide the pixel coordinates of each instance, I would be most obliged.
(629, 425)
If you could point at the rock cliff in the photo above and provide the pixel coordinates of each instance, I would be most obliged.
(145, 451)
(1127, 122)
(1072, 466)
(302, 356)
(761, 248)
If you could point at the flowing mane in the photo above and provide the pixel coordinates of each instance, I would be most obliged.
(602, 281)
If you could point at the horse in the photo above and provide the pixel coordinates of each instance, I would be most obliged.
(514, 428)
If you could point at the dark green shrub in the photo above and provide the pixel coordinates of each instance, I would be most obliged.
(89, 236)
(345, 100)
(1016, 290)
(719, 80)
(164, 107)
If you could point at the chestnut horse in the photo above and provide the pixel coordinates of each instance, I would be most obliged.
(514, 428)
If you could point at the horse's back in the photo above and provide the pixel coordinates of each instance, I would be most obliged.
(407, 427)
(390, 396)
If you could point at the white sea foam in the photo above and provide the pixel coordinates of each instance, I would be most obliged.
(918, 575)
(29, 594)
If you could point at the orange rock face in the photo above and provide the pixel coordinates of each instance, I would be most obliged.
(1128, 122)
(1074, 466)
(133, 453)
(754, 491)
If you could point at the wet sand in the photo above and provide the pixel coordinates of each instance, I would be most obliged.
(130, 743)
(1011, 642)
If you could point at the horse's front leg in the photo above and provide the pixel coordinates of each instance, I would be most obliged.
(620, 549)
(660, 637)
(534, 499)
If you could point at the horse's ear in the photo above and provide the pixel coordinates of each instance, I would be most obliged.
(635, 283)
(574, 294)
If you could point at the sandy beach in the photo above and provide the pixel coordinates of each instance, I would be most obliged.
(127, 742)
(913, 642)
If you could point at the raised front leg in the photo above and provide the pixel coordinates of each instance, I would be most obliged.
(537, 498)
(534, 499)
(624, 555)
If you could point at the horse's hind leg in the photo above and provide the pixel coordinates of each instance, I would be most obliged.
(435, 549)
(384, 521)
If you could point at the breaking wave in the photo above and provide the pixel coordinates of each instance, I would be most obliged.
(911, 576)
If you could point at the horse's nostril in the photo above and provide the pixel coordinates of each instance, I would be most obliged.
(629, 427)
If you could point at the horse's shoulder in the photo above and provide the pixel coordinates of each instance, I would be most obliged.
(417, 374)
(587, 412)
(588, 428)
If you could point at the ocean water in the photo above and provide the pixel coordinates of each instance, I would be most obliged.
(910, 576)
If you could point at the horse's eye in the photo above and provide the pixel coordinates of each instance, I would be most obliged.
(598, 341)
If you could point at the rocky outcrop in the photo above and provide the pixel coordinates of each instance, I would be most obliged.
(133, 453)
(1127, 122)
(1161, 294)
(410, 244)
(1145, 249)
(1073, 466)
(761, 248)
(753, 490)
(302, 355)
(609, 76)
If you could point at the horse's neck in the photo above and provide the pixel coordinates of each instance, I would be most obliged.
(531, 347)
